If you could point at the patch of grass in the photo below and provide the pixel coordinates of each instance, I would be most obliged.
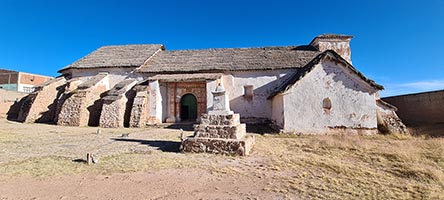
(133, 162)
(355, 166)
(42, 167)
(119, 163)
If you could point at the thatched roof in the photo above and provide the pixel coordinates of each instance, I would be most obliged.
(329, 54)
(116, 56)
(186, 77)
(230, 59)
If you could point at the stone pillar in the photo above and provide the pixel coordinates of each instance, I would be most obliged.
(220, 131)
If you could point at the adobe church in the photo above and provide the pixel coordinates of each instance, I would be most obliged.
(310, 88)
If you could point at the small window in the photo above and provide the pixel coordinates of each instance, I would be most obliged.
(248, 90)
(326, 104)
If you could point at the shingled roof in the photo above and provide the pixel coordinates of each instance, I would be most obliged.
(116, 56)
(230, 59)
(328, 54)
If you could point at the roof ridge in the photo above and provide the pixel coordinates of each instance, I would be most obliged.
(126, 45)
(116, 56)
(245, 48)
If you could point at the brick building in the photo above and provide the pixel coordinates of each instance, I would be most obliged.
(20, 81)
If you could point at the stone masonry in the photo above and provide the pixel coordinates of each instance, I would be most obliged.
(140, 109)
(220, 131)
(82, 106)
(115, 104)
(40, 106)
(388, 120)
(66, 92)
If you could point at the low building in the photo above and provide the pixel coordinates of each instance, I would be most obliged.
(310, 88)
(21, 81)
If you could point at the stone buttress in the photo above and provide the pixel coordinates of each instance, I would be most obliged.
(140, 107)
(40, 106)
(83, 105)
(116, 105)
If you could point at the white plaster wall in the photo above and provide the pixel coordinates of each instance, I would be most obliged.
(263, 82)
(164, 100)
(384, 109)
(115, 74)
(340, 47)
(352, 100)
(277, 115)
(155, 100)
(211, 86)
(106, 82)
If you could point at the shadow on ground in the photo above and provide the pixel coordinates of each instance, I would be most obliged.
(79, 160)
(428, 130)
(184, 126)
(163, 145)
(260, 129)
(251, 128)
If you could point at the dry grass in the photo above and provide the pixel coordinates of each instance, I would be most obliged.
(307, 167)
(365, 167)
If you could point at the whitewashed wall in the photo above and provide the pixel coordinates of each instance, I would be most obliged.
(263, 82)
(278, 116)
(211, 86)
(155, 100)
(115, 74)
(352, 100)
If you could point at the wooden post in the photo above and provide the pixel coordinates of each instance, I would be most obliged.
(88, 158)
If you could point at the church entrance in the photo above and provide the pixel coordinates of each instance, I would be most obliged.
(188, 108)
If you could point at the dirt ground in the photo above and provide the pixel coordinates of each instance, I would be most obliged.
(39, 161)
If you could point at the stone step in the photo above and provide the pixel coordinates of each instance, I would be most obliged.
(220, 131)
(230, 119)
(240, 147)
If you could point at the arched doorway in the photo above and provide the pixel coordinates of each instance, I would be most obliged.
(188, 108)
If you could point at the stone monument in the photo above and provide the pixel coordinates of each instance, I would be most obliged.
(219, 131)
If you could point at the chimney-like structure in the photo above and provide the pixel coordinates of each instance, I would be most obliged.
(338, 43)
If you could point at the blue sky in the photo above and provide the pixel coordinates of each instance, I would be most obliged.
(397, 43)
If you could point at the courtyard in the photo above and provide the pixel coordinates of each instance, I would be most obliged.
(39, 161)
